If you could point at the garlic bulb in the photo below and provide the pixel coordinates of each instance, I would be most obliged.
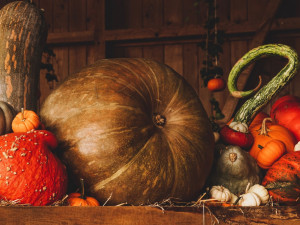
(261, 191)
(297, 147)
(249, 199)
(220, 193)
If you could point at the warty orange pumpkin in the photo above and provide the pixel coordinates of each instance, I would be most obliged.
(29, 172)
(133, 129)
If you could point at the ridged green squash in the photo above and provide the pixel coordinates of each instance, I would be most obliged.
(252, 106)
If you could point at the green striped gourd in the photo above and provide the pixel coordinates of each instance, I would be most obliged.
(249, 109)
(236, 133)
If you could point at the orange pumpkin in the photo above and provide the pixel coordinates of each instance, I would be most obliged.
(25, 120)
(80, 199)
(269, 154)
(257, 120)
(216, 84)
(267, 132)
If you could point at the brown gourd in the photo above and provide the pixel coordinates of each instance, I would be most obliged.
(133, 129)
(7, 114)
(23, 34)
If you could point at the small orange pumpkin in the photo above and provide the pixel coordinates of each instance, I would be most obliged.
(258, 119)
(216, 84)
(80, 199)
(267, 132)
(25, 120)
(269, 154)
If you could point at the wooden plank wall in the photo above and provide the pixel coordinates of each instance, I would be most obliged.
(184, 55)
(181, 53)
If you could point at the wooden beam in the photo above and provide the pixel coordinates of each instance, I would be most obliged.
(71, 37)
(196, 30)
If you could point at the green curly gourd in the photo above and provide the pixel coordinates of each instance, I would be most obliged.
(249, 109)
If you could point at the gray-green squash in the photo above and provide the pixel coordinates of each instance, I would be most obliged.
(134, 130)
(234, 169)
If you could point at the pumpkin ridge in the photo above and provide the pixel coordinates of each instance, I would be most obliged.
(133, 73)
(155, 81)
(186, 117)
(175, 167)
(174, 97)
(125, 84)
(149, 68)
(121, 170)
(121, 82)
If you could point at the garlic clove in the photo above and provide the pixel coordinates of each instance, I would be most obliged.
(220, 193)
(249, 199)
(261, 191)
(297, 147)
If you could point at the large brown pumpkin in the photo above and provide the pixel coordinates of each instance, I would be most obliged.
(23, 33)
(133, 129)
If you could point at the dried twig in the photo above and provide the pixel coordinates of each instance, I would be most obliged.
(107, 200)
(60, 202)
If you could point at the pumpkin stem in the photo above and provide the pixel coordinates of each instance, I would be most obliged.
(159, 120)
(247, 188)
(264, 130)
(82, 194)
(232, 157)
(22, 113)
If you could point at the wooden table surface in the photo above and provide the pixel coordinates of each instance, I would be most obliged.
(146, 215)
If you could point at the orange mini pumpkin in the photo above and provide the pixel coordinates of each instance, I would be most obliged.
(269, 154)
(216, 84)
(257, 121)
(267, 132)
(25, 120)
(80, 199)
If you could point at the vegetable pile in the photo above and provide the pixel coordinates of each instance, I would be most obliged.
(271, 140)
(133, 131)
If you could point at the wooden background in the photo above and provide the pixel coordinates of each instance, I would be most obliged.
(82, 31)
